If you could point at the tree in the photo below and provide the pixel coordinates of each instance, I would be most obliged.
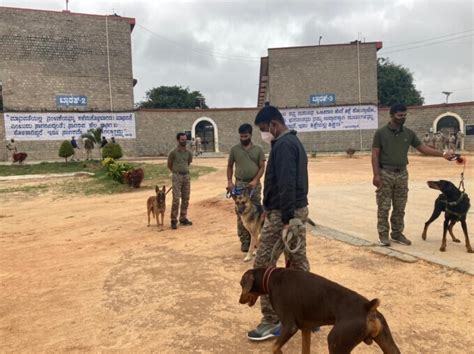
(173, 97)
(94, 135)
(395, 85)
(112, 150)
(66, 150)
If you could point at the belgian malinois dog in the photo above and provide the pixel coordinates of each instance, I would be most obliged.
(156, 205)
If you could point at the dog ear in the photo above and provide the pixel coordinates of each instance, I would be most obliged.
(372, 305)
(164, 188)
(374, 325)
(157, 189)
(247, 282)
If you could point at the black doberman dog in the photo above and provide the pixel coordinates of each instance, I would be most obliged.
(303, 300)
(455, 205)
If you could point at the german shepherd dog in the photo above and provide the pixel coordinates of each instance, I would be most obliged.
(252, 217)
(455, 205)
(156, 205)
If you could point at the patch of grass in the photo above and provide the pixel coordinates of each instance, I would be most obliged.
(155, 174)
(100, 183)
(26, 189)
(50, 167)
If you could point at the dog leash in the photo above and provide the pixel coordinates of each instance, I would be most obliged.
(461, 183)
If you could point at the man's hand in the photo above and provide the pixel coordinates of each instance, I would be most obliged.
(230, 186)
(449, 155)
(253, 184)
(377, 181)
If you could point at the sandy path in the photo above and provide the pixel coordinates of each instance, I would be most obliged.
(85, 273)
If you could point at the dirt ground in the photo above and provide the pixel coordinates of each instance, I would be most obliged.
(86, 274)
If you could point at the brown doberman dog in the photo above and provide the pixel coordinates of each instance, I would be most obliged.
(304, 300)
(156, 205)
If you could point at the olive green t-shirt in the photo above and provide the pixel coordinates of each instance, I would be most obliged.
(180, 160)
(394, 144)
(247, 162)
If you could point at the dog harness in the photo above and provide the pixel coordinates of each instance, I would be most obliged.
(266, 279)
(451, 204)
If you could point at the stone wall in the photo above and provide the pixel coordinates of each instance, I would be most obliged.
(156, 130)
(47, 53)
(296, 73)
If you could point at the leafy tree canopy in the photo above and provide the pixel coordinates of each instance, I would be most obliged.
(395, 85)
(173, 97)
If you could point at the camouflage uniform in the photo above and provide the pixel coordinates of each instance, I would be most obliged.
(394, 190)
(179, 161)
(244, 235)
(438, 142)
(452, 142)
(459, 139)
(393, 145)
(271, 234)
(247, 165)
(181, 190)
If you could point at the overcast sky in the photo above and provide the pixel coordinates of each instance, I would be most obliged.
(214, 46)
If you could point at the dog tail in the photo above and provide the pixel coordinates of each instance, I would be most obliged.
(311, 222)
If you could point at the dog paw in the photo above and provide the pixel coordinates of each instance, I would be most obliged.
(423, 237)
(443, 249)
(470, 251)
(456, 240)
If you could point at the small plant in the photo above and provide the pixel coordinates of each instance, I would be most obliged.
(112, 150)
(134, 177)
(313, 154)
(66, 150)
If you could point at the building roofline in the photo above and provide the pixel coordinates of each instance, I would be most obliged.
(130, 20)
(200, 110)
(378, 45)
(439, 105)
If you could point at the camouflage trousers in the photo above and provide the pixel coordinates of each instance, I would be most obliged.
(242, 232)
(271, 234)
(181, 190)
(394, 192)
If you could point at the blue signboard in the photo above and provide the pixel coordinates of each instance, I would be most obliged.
(324, 99)
(71, 101)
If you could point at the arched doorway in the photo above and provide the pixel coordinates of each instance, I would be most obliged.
(206, 129)
(448, 121)
(447, 125)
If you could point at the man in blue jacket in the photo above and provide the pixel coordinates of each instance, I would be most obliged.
(285, 198)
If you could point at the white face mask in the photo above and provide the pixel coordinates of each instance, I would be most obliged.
(267, 137)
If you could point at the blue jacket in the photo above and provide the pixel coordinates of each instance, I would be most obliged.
(286, 176)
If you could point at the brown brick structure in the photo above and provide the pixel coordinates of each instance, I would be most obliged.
(288, 76)
(46, 53)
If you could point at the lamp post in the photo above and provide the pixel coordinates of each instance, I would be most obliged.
(447, 93)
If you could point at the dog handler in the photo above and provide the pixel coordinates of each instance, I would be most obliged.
(285, 200)
(389, 165)
(178, 163)
(249, 160)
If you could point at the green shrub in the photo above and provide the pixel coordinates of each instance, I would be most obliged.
(117, 170)
(66, 150)
(112, 150)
